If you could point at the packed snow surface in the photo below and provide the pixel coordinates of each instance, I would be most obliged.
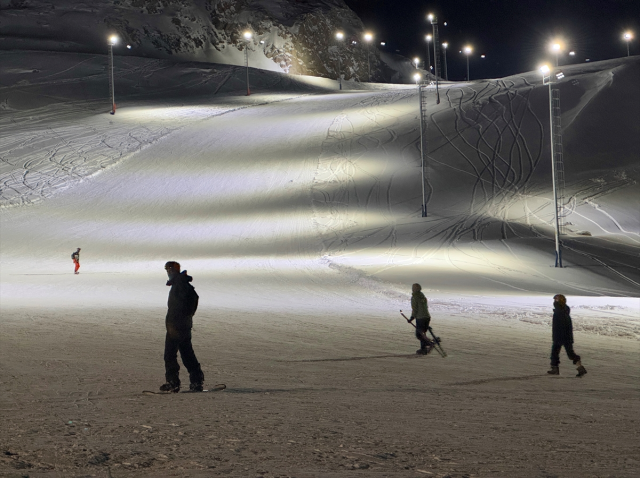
(298, 212)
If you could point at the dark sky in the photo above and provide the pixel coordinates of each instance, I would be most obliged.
(513, 34)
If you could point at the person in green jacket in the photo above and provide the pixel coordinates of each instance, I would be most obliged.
(420, 312)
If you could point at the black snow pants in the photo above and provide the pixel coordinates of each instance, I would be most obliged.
(555, 353)
(180, 340)
(422, 325)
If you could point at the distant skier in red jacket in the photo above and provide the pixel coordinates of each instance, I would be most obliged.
(76, 260)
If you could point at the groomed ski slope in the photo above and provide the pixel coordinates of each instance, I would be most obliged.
(297, 211)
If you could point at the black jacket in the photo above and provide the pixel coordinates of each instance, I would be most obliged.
(562, 327)
(182, 303)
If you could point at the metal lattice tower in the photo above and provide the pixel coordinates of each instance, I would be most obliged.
(556, 138)
(436, 51)
(422, 98)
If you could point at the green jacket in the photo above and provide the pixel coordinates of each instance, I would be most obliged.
(419, 307)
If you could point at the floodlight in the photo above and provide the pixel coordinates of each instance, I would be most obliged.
(248, 35)
(544, 69)
(428, 38)
(340, 36)
(628, 36)
(368, 37)
(445, 45)
(430, 17)
(416, 60)
(113, 39)
(556, 47)
(128, 47)
(483, 56)
(417, 77)
(382, 43)
(468, 50)
(559, 75)
(572, 53)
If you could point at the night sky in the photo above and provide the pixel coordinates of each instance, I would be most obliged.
(513, 34)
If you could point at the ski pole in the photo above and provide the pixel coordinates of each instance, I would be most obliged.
(424, 335)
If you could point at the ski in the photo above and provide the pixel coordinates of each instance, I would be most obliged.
(216, 388)
(435, 343)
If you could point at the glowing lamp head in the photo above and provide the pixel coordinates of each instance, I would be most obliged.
(416, 77)
(430, 17)
(340, 36)
(628, 36)
(416, 60)
(467, 50)
(544, 69)
(368, 37)
(247, 35)
(445, 45)
(428, 38)
(556, 47)
(113, 40)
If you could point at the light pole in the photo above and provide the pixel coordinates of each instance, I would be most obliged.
(112, 41)
(247, 38)
(436, 71)
(339, 38)
(445, 45)
(467, 51)
(422, 99)
(628, 36)
(546, 80)
(428, 65)
(556, 48)
(367, 38)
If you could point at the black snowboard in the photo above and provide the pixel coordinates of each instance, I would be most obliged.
(216, 388)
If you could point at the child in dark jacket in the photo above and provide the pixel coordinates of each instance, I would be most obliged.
(562, 333)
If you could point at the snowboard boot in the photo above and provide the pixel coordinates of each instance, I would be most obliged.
(196, 387)
(581, 370)
(197, 380)
(170, 387)
(555, 370)
(421, 351)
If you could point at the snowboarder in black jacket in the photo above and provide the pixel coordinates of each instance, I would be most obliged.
(182, 303)
(562, 333)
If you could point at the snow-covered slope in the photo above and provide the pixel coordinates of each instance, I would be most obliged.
(352, 199)
(293, 36)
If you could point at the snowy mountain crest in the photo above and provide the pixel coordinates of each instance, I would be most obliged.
(293, 36)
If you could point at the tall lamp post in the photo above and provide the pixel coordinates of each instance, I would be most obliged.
(428, 65)
(436, 71)
(422, 99)
(467, 51)
(628, 36)
(367, 38)
(112, 41)
(247, 38)
(445, 46)
(339, 38)
(546, 80)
